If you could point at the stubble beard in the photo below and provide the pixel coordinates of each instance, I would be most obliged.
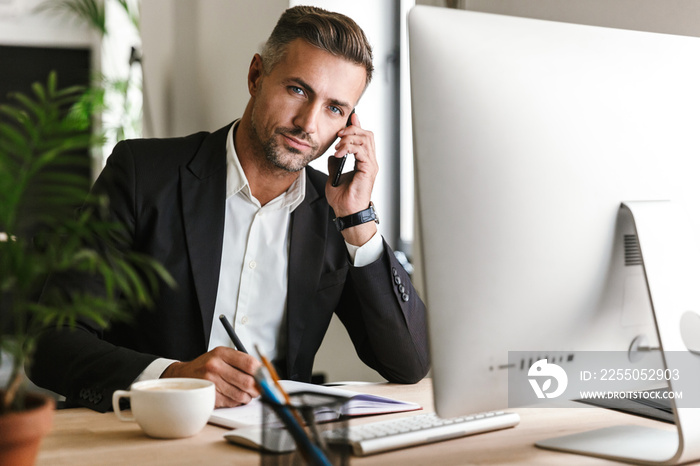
(288, 159)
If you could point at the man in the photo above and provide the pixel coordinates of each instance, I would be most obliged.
(249, 231)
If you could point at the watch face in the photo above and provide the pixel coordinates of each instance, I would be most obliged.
(375, 217)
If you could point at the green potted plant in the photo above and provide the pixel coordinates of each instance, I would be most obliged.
(41, 235)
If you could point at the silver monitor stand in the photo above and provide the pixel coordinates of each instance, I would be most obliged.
(671, 260)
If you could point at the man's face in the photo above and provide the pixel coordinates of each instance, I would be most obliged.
(301, 105)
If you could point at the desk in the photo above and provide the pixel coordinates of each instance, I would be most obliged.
(84, 437)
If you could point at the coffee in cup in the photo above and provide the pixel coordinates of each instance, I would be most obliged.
(168, 408)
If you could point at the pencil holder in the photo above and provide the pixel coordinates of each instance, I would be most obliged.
(308, 430)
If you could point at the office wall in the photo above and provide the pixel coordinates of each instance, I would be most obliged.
(196, 55)
(20, 25)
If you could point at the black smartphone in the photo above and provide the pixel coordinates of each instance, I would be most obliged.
(336, 178)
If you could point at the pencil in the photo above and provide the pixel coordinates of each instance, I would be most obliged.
(308, 449)
(273, 373)
(276, 380)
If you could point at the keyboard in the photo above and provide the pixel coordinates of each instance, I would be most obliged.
(376, 437)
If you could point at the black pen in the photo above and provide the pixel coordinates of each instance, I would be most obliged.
(234, 338)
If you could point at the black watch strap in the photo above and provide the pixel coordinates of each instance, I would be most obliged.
(363, 216)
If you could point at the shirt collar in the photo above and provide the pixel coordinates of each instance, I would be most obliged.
(236, 180)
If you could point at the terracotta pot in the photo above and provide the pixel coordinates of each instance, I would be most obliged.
(21, 432)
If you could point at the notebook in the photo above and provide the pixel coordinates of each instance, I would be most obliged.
(359, 404)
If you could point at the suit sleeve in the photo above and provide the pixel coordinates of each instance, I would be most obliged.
(77, 362)
(386, 319)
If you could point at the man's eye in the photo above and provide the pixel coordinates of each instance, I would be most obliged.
(297, 90)
(335, 110)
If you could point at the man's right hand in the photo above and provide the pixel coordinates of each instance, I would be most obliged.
(230, 370)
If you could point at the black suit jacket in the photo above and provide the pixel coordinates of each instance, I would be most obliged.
(170, 194)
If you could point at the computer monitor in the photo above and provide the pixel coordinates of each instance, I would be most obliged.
(528, 136)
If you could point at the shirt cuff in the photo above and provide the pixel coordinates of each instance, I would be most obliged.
(155, 369)
(368, 252)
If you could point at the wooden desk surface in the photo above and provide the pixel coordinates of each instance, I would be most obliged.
(84, 437)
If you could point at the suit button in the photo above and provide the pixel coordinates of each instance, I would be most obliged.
(397, 280)
(402, 289)
(394, 271)
(404, 297)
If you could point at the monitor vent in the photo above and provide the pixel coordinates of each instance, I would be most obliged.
(633, 255)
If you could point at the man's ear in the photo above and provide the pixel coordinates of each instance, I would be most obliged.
(255, 73)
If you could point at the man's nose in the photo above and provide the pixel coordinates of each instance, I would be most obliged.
(307, 118)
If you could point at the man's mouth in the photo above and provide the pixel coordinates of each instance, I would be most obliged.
(296, 140)
(296, 143)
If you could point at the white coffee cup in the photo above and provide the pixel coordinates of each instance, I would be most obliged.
(168, 408)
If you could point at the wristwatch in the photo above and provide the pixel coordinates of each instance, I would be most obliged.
(363, 216)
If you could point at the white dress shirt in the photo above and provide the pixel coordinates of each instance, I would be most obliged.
(252, 291)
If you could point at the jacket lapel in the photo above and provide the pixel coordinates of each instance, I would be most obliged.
(309, 225)
(203, 191)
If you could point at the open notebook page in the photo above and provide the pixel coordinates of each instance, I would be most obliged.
(359, 404)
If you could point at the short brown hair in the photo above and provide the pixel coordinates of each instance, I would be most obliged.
(333, 32)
